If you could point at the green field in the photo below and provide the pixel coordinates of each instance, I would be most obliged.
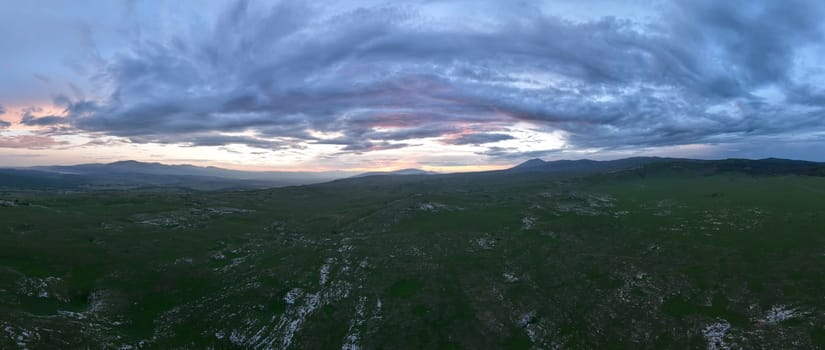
(629, 260)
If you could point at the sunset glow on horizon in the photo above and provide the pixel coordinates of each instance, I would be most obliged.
(448, 86)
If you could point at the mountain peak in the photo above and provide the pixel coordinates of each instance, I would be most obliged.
(532, 163)
(132, 163)
(410, 171)
(584, 165)
(125, 162)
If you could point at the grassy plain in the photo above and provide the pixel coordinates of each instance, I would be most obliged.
(628, 260)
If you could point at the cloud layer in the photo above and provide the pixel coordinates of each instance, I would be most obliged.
(385, 76)
(3, 124)
(29, 142)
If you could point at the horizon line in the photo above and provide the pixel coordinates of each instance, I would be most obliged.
(423, 167)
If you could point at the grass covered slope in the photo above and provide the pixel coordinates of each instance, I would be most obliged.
(658, 257)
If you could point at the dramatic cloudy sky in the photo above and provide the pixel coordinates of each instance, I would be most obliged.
(442, 85)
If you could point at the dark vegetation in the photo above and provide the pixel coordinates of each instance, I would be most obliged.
(667, 254)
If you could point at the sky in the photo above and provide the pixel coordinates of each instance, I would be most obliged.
(379, 85)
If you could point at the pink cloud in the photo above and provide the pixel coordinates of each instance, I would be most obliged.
(29, 141)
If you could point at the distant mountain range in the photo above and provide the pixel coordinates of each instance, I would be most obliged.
(397, 172)
(768, 166)
(135, 167)
(137, 175)
(134, 174)
(586, 165)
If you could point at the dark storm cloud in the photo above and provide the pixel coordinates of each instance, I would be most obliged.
(515, 155)
(30, 119)
(3, 124)
(32, 116)
(478, 139)
(380, 76)
(758, 40)
(220, 140)
(42, 121)
(362, 147)
(217, 139)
